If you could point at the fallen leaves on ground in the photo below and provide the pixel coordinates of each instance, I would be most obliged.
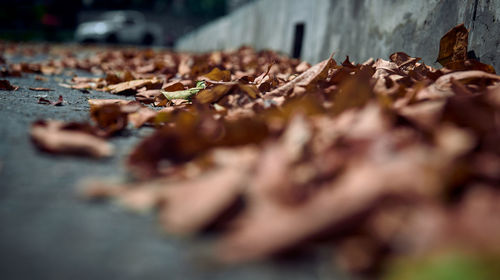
(385, 159)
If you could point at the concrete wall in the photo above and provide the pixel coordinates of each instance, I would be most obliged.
(358, 28)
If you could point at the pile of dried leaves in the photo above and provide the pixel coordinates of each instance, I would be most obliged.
(378, 160)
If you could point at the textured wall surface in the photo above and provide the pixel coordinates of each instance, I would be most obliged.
(358, 28)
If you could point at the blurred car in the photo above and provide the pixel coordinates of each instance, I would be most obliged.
(120, 27)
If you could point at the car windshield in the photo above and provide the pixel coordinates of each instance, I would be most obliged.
(115, 16)
(122, 16)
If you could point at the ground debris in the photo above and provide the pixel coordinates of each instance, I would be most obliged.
(387, 159)
(5, 85)
(45, 101)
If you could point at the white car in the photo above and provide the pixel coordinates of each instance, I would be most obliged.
(120, 27)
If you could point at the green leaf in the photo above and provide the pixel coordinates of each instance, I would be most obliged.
(444, 266)
(185, 94)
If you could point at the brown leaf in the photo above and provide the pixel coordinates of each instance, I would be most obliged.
(9, 73)
(213, 94)
(313, 74)
(442, 88)
(453, 45)
(250, 90)
(148, 68)
(94, 103)
(470, 64)
(109, 118)
(60, 138)
(218, 75)
(118, 77)
(50, 70)
(40, 89)
(302, 67)
(141, 116)
(5, 85)
(147, 96)
(45, 101)
(82, 86)
(211, 194)
(403, 60)
(173, 86)
(260, 79)
(353, 93)
(269, 227)
(424, 114)
(131, 87)
(189, 137)
(41, 78)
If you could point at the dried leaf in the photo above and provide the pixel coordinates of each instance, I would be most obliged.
(59, 138)
(213, 94)
(109, 118)
(40, 89)
(357, 190)
(132, 86)
(45, 101)
(442, 87)
(41, 78)
(210, 195)
(353, 93)
(250, 90)
(218, 75)
(94, 103)
(141, 116)
(5, 85)
(315, 73)
(147, 96)
(453, 45)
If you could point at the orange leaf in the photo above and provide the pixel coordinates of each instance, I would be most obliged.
(453, 45)
(218, 75)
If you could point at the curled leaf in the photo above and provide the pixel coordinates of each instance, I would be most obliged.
(315, 73)
(453, 45)
(76, 139)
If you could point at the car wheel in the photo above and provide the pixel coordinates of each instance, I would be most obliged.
(112, 39)
(148, 39)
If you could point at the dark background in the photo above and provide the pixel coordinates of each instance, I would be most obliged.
(56, 20)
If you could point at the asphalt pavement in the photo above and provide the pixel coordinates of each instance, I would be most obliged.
(48, 232)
